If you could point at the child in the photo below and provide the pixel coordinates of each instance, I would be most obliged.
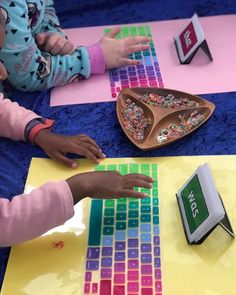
(28, 216)
(37, 54)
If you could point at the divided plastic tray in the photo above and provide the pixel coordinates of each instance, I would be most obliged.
(160, 117)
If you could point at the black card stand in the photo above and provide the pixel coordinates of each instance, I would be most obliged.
(224, 223)
(203, 46)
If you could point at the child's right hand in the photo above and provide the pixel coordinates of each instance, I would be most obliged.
(107, 185)
(116, 51)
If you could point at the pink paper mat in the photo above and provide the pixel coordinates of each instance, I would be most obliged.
(201, 76)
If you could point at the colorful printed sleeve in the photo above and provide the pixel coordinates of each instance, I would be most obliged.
(50, 21)
(28, 68)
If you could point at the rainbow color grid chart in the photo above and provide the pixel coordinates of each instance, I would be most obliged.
(146, 74)
(123, 254)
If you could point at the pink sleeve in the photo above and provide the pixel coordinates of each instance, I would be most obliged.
(97, 59)
(30, 215)
(13, 119)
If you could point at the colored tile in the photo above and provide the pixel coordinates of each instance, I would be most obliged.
(120, 235)
(145, 227)
(105, 287)
(155, 219)
(156, 251)
(119, 278)
(108, 230)
(158, 286)
(145, 218)
(132, 253)
(146, 248)
(86, 288)
(109, 212)
(133, 223)
(94, 288)
(133, 243)
(121, 216)
(155, 210)
(157, 274)
(107, 241)
(133, 232)
(121, 207)
(92, 265)
(106, 262)
(88, 276)
(146, 291)
(146, 269)
(145, 209)
(157, 262)
(108, 220)
(119, 267)
(146, 258)
(106, 273)
(133, 275)
(133, 264)
(93, 253)
(156, 230)
(109, 203)
(120, 225)
(133, 214)
(95, 223)
(145, 238)
(107, 251)
(156, 240)
(119, 290)
(133, 287)
(119, 256)
(146, 281)
(119, 246)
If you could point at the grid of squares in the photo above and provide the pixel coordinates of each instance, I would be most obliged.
(146, 74)
(123, 254)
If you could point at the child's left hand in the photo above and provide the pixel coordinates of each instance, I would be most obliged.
(56, 146)
(54, 43)
(116, 51)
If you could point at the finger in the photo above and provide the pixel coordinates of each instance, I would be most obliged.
(67, 49)
(41, 38)
(88, 154)
(136, 48)
(64, 160)
(113, 32)
(128, 62)
(88, 139)
(138, 176)
(58, 46)
(137, 40)
(50, 42)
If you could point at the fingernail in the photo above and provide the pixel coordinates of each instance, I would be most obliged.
(74, 165)
(104, 155)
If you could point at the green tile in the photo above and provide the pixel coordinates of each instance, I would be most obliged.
(111, 167)
(155, 192)
(133, 223)
(145, 218)
(109, 203)
(120, 225)
(155, 219)
(108, 230)
(155, 210)
(121, 207)
(100, 168)
(108, 220)
(134, 168)
(145, 209)
(123, 169)
(95, 223)
(133, 205)
(121, 216)
(109, 212)
(155, 201)
(146, 200)
(133, 214)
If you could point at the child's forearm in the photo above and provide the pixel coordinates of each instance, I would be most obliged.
(31, 215)
(13, 119)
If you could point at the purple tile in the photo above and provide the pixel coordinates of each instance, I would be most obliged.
(149, 68)
(106, 273)
(152, 78)
(132, 74)
(122, 72)
(150, 73)
(146, 269)
(106, 262)
(119, 256)
(140, 67)
(132, 253)
(157, 262)
(141, 71)
(146, 248)
(156, 251)
(92, 264)
(93, 253)
(119, 267)
(106, 251)
(131, 69)
(133, 79)
(132, 243)
(146, 258)
(156, 240)
(120, 246)
(157, 274)
(88, 276)
(133, 264)
(141, 76)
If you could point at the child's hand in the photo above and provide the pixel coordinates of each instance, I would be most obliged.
(116, 51)
(57, 146)
(54, 43)
(107, 185)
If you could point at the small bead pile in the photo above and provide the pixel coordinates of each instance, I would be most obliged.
(134, 119)
(173, 130)
(169, 101)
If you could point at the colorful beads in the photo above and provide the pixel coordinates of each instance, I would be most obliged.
(134, 119)
(169, 101)
(174, 131)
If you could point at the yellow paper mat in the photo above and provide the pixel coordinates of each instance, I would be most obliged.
(37, 268)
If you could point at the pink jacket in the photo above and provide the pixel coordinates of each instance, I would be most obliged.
(29, 215)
